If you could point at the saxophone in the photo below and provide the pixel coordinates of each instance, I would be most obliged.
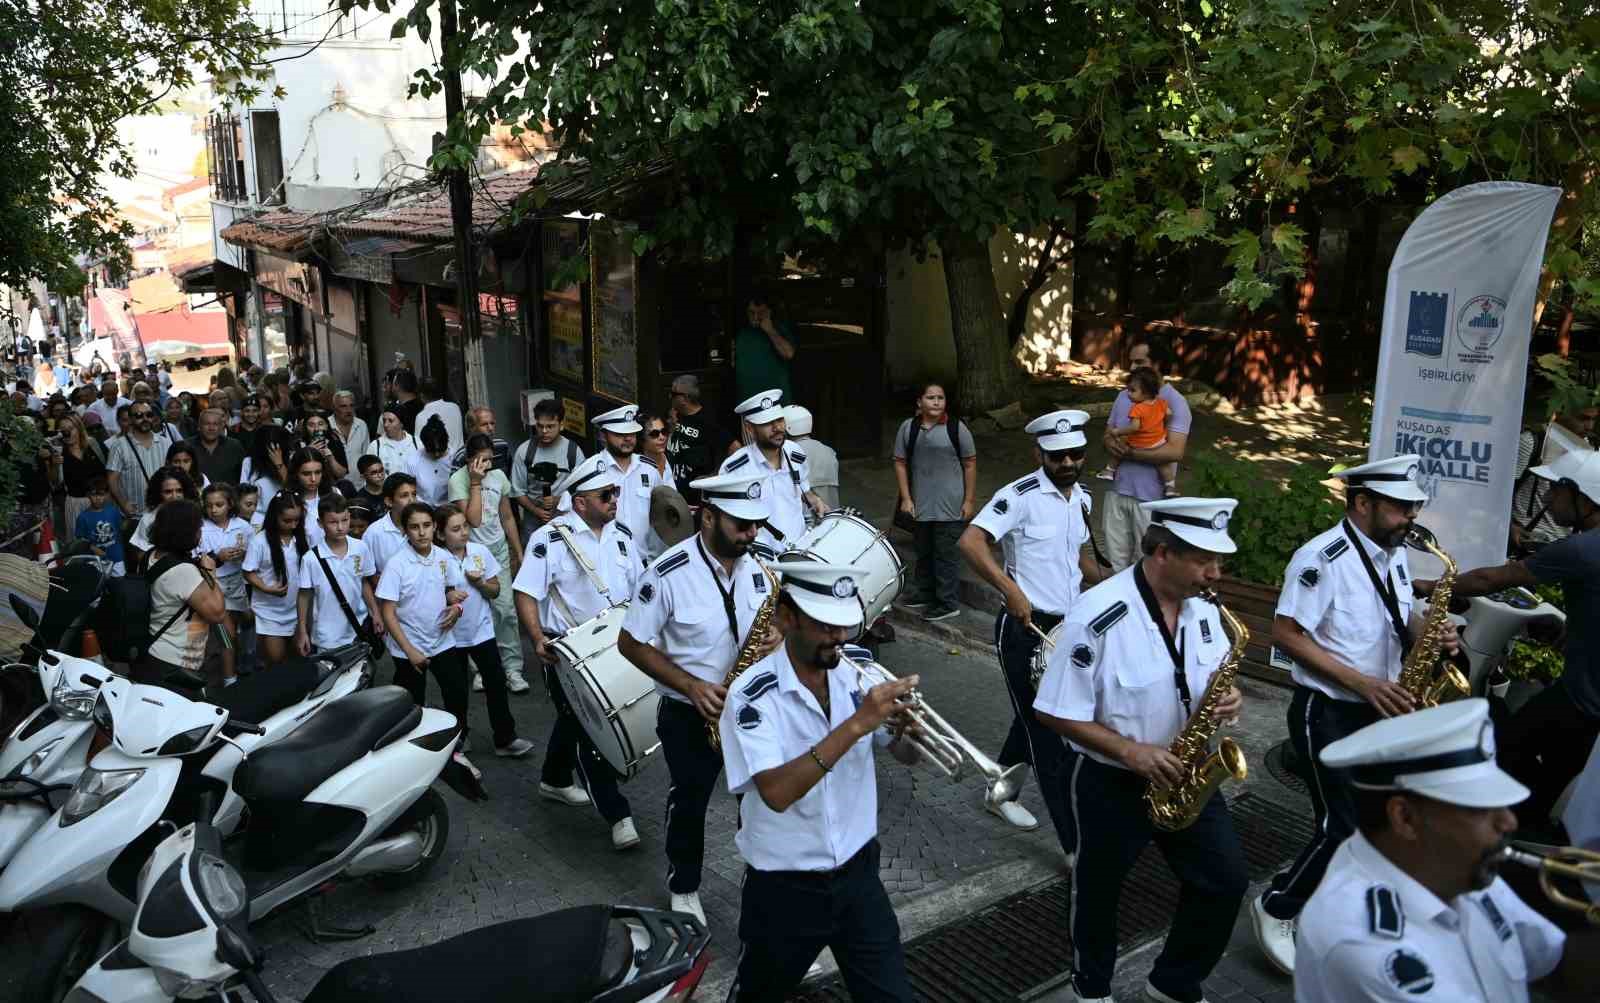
(1174, 808)
(1430, 680)
(747, 651)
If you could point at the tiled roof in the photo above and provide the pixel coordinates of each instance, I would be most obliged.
(282, 231)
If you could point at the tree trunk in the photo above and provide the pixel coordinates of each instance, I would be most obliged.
(1564, 228)
(1564, 332)
(987, 378)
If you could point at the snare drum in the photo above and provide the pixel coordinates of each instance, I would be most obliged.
(842, 538)
(614, 702)
(1041, 655)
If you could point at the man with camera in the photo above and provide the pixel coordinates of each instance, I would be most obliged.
(539, 463)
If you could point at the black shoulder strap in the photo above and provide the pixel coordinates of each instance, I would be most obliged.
(153, 573)
(338, 593)
(950, 424)
(572, 453)
(1088, 527)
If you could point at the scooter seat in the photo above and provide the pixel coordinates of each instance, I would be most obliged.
(258, 696)
(335, 737)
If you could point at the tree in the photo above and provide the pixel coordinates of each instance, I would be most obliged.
(70, 71)
(1204, 124)
(834, 124)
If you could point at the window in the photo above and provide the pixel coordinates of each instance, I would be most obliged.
(269, 157)
(225, 145)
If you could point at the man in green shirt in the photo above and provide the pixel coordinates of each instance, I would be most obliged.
(762, 351)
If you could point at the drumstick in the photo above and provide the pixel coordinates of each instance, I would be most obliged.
(1042, 635)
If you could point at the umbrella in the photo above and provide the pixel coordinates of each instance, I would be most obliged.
(172, 349)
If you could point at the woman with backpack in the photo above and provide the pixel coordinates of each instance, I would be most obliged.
(431, 467)
(936, 468)
(272, 569)
(394, 445)
(184, 598)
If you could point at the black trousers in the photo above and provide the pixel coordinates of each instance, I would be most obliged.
(786, 918)
(694, 766)
(570, 749)
(486, 658)
(1029, 741)
(938, 571)
(1113, 828)
(449, 668)
(1315, 721)
(1544, 746)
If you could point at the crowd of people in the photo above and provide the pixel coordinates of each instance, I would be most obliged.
(275, 525)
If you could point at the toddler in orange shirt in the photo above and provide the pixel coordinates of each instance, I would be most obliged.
(1147, 426)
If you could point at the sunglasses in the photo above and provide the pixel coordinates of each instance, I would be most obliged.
(656, 433)
(137, 415)
(606, 494)
(1057, 455)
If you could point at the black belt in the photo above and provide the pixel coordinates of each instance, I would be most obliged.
(856, 859)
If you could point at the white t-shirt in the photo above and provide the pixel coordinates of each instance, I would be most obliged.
(236, 533)
(276, 611)
(416, 584)
(330, 628)
(496, 485)
(477, 618)
(184, 643)
(395, 454)
(433, 477)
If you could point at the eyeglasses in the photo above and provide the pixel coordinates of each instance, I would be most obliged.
(1057, 455)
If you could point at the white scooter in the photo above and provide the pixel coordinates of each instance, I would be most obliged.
(1491, 623)
(165, 765)
(191, 940)
(48, 750)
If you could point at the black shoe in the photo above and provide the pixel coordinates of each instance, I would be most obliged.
(938, 613)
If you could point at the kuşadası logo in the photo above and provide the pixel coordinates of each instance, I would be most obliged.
(1479, 324)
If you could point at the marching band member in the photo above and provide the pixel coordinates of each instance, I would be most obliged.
(1042, 522)
(555, 594)
(698, 601)
(1411, 906)
(1343, 626)
(619, 432)
(792, 732)
(1134, 655)
(784, 471)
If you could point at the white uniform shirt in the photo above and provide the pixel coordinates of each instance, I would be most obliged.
(383, 538)
(1371, 932)
(236, 533)
(633, 494)
(416, 584)
(769, 719)
(548, 568)
(1041, 532)
(1111, 666)
(433, 477)
(783, 489)
(477, 617)
(1326, 590)
(312, 519)
(280, 611)
(679, 603)
(330, 628)
(267, 486)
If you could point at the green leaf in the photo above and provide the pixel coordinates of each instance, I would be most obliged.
(1408, 158)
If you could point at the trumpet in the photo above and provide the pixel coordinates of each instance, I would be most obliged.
(1560, 862)
(940, 743)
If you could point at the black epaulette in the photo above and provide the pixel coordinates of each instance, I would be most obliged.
(625, 531)
(670, 563)
(1385, 918)
(1025, 485)
(1105, 621)
(736, 462)
(760, 686)
(1336, 548)
(1497, 919)
(797, 455)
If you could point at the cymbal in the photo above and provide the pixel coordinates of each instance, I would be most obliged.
(669, 515)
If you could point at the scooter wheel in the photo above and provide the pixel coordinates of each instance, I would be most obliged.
(66, 942)
(429, 817)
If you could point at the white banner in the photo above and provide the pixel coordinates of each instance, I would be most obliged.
(1457, 319)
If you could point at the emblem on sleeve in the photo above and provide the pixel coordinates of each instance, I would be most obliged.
(539, 551)
(1000, 506)
(1309, 577)
(1082, 656)
(1408, 972)
(647, 592)
(749, 718)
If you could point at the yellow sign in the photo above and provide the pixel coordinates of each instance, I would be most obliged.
(574, 417)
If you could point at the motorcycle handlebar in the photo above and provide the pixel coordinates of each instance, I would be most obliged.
(243, 728)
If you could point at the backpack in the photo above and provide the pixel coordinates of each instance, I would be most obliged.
(122, 622)
(950, 426)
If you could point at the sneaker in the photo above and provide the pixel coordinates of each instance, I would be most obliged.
(1275, 936)
(573, 795)
(1073, 996)
(518, 748)
(624, 836)
(690, 904)
(1171, 491)
(477, 682)
(1155, 995)
(1013, 812)
(915, 604)
(937, 613)
(515, 683)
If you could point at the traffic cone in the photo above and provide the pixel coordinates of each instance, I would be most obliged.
(46, 550)
(89, 645)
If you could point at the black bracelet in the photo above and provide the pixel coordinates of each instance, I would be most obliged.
(818, 760)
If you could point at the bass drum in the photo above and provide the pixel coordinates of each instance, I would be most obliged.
(844, 538)
(1041, 655)
(613, 701)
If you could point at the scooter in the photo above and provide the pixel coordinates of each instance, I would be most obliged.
(165, 763)
(1489, 624)
(191, 939)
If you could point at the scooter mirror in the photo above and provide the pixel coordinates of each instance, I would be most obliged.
(27, 614)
